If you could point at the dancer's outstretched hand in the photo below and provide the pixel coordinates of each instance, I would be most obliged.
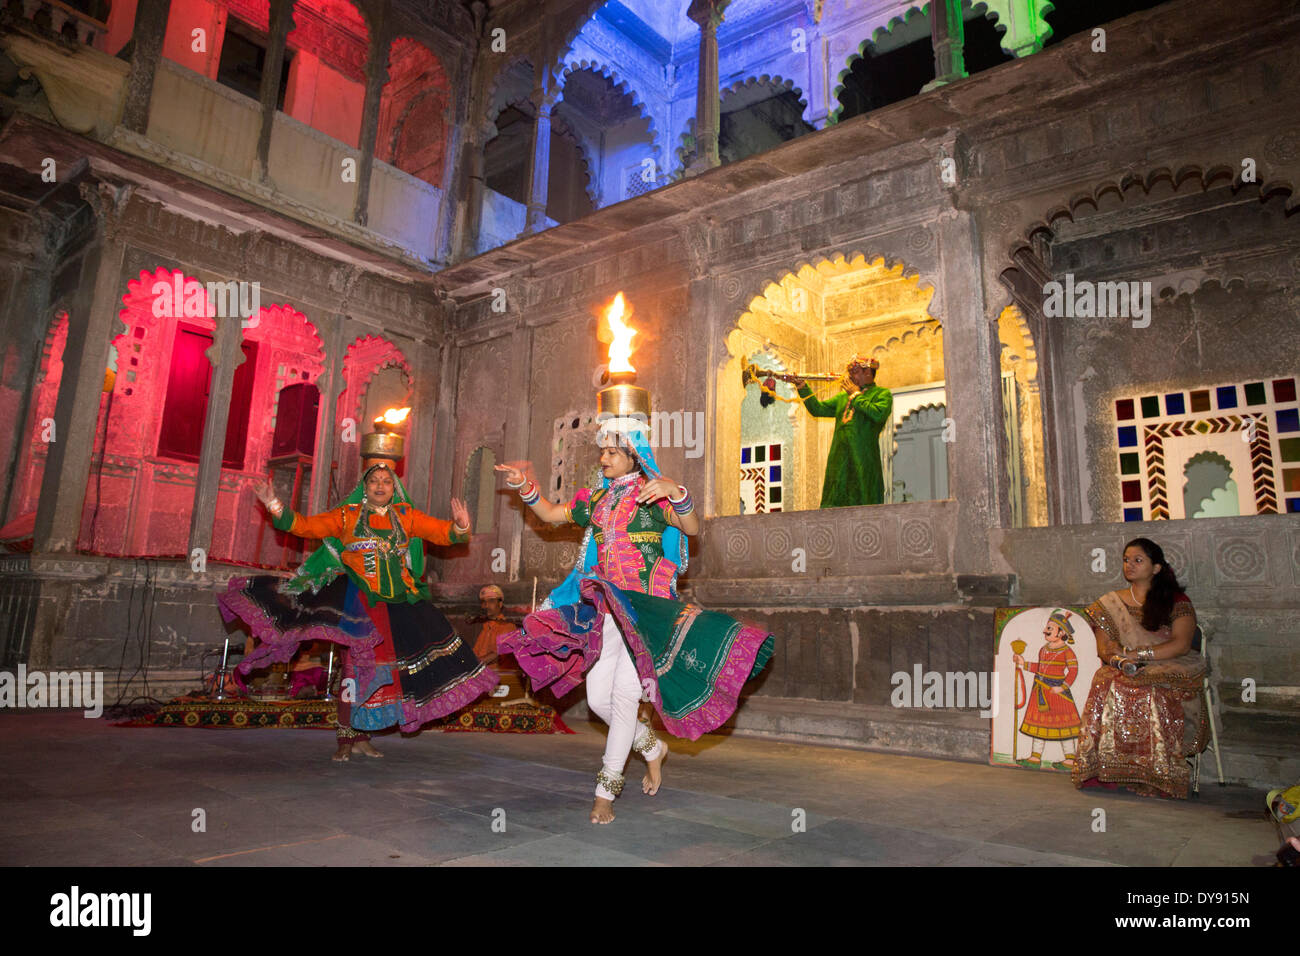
(656, 489)
(459, 513)
(265, 494)
(516, 472)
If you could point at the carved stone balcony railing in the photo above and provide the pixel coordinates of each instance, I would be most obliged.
(210, 133)
(64, 20)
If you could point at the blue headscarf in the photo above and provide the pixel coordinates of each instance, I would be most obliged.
(636, 438)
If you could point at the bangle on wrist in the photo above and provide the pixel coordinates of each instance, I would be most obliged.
(531, 494)
(683, 494)
(514, 486)
(459, 530)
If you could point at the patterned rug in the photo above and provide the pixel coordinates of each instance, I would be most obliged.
(245, 714)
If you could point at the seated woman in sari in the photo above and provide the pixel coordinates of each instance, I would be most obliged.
(362, 590)
(615, 621)
(1143, 717)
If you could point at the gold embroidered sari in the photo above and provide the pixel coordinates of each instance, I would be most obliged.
(1139, 730)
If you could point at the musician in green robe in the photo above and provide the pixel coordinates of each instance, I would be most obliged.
(860, 409)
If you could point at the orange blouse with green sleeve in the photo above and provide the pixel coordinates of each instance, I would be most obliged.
(374, 550)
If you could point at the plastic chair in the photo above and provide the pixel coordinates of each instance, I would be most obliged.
(1200, 643)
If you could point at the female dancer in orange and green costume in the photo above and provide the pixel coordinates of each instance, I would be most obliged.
(362, 590)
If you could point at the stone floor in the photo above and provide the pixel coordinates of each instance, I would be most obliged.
(77, 792)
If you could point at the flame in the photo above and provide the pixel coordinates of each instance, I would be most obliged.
(620, 347)
(393, 416)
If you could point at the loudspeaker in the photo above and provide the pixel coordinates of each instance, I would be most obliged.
(295, 420)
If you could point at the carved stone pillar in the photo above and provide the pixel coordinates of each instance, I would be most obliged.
(708, 98)
(539, 166)
(518, 428)
(426, 360)
(475, 190)
(147, 35)
(1026, 27)
(226, 355)
(948, 37)
(92, 326)
(977, 476)
(281, 25)
(376, 77)
(330, 386)
(444, 424)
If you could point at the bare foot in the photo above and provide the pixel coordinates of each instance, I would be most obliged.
(654, 777)
(602, 811)
(344, 752)
(365, 747)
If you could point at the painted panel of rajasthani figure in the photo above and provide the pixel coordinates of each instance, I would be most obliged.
(1044, 659)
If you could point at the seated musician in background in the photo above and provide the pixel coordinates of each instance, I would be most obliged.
(493, 624)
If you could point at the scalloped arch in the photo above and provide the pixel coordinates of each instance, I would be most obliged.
(491, 110)
(839, 263)
(1123, 186)
(887, 27)
(779, 84)
(626, 87)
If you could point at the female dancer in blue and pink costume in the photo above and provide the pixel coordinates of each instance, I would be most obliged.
(615, 620)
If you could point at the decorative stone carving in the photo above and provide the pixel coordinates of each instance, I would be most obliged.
(778, 543)
(917, 538)
(738, 545)
(1239, 561)
(821, 540)
(868, 542)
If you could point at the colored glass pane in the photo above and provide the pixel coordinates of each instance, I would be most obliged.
(1201, 401)
(760, 453)
(1288, 420)
(744, 456)
(1124, 409)
(1150, 406)
(1132, 491)
(1128, 436)
(1256, 393)
(1132, 514)
(1227, 396)
(1129, 464)
(1284, 390)
(1290, 449)
(1174, 404)
(774, 473)
(773, 452)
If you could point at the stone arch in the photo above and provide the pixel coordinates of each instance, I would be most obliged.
(918, 470)
(776, 82)
(1200, 306)
(780, 90)
(417, 86)
(505, 89)
(366, 356)
(620, 84)
(800, 315)
(586, 152)
(1205, 475)
(878, 32)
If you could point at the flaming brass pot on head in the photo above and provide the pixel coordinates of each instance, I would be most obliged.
(386, 442)
(385, 445)
(623, 400)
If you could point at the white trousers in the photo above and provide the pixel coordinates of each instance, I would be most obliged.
(614, 694)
